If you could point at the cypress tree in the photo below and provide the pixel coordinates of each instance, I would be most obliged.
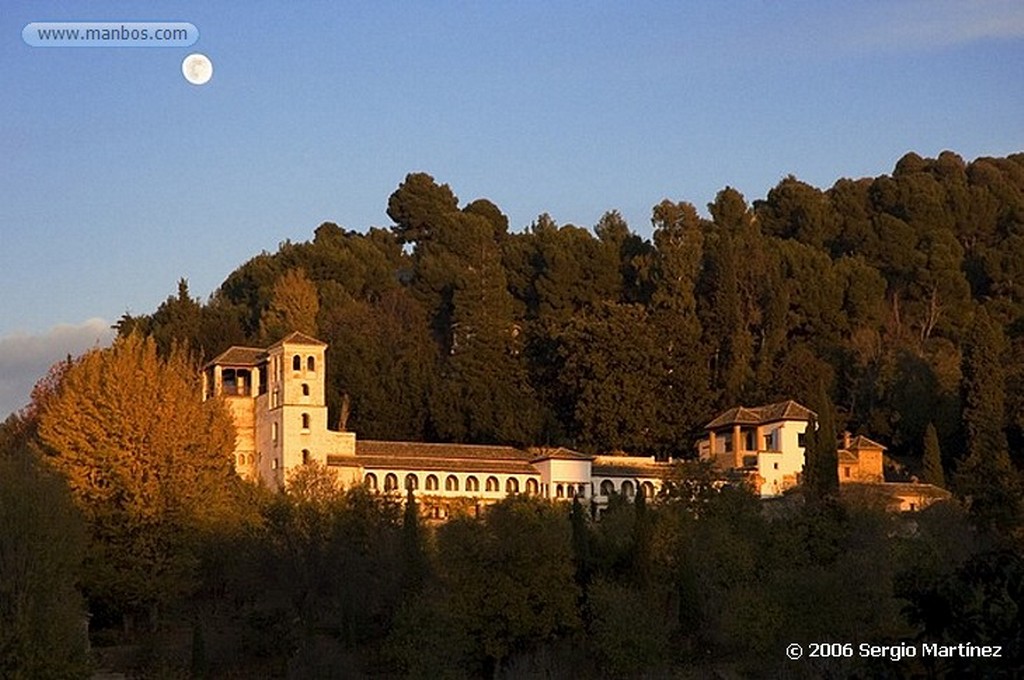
(986, 479)
(642, 538)
(821, 453)
(581, 545)
(414, 559)
(932, 458)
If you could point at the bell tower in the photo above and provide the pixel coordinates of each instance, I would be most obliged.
(291, 429)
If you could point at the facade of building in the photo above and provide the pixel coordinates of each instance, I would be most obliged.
(276, 396)
(277, 399)
(766, 444)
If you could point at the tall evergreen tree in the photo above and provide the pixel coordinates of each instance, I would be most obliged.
(821, 455)
(42, 543)
(581, 545)
(987, 479)
(642, 547)
(931, 458)
(414, 557)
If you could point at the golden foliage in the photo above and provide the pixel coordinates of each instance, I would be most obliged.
(132, 436)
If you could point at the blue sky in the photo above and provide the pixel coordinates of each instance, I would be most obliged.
(118, 177)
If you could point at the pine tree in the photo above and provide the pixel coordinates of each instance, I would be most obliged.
(294, 306)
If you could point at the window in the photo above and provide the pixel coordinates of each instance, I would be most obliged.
(229, 381)
(583, 491)
(607, 487)
(846, 472)
(750, 440)
(628, 490)
(296, 363)
(241, 459)
(431, 482)
(305, 421)
(412, 482)
(801, 439)
(390, 482)
(768, 443)
(305, 390)
(512, 485)
(775, 466)
(559, 491)
(310, 364)
(648, 489)
(472, 483)
(451, 483)
(274, 464)
(273, 432)
(305, 457)
(371, 481)
(492, 484)
(532, 487)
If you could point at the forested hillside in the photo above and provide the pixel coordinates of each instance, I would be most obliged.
(900, 299)
(451, 327)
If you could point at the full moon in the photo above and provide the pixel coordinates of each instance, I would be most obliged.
(197, 69)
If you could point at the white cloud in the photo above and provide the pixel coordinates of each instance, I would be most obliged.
(25, 358)
(933, 24)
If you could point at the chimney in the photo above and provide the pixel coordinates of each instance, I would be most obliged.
(846, 440)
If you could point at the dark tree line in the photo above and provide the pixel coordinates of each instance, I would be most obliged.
(322, 582)
(450, 327)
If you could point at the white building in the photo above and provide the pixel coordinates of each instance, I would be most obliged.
(277, 399)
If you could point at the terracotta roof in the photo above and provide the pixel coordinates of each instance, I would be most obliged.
(239, 356)
(560, 453)
(908, 488)
(435, 464)
(902, 489)
(629, 466)
(736, 415)
(297, 338)
(343, 461)
(846, 457)
(761, 415)
(606, 470)
(446, 451)
(862, 442)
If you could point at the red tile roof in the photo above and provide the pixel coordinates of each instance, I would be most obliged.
(861, 442)
(762, 415)
(434, 464)
(560, 453)
(652, 470)
(445, 451)
(297, 338)
(239, 356)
